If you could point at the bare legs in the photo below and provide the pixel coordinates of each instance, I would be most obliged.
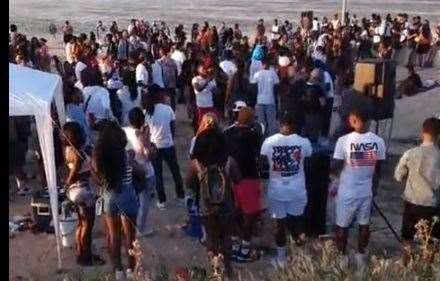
(342, 236)
(116, 225)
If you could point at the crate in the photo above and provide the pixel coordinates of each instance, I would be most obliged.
(41, 209)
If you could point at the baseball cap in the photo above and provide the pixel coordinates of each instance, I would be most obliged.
(238, 105)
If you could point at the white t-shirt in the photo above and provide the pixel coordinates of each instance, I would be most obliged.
(127, 103)
(360, 153)
(133, 143)
(286, 166)
(266, 80)
(142, 74)
(229, 68)
(204, 98)
(79, 66)
(315, 25)
(160, 127)
(179, 58)
(98, 104)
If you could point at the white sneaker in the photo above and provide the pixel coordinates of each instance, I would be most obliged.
(161, 206)
(119, 275)
(129, 274)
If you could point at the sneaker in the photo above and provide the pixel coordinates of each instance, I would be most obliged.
(119, 275)
(161, 206)
(129, 274)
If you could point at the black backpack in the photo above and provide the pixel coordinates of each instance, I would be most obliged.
(212, 186)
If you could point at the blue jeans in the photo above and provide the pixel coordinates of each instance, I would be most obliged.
(123, 202)
(144, 204)
(267, 115)
(169, 155)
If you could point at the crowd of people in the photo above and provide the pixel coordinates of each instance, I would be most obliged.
(277, 105)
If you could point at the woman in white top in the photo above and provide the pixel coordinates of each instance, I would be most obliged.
(129, 96)
(204, 87)
(141, 149)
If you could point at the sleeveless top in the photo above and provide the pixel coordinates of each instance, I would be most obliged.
(83, 177)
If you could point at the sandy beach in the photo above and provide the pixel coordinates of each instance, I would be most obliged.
(33, 257)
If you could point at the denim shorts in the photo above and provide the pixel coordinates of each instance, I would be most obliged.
(124, 202)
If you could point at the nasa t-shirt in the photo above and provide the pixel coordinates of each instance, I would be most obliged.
(286, 166)
(360, 153)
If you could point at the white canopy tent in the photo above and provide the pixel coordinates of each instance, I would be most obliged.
(31, 92)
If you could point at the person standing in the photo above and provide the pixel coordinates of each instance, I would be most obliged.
(314, 106)
(160, 118)
(169, 74)
(243, 142)
(284, 154)
(357, 160)
(118, 203)
(204, 89)
(265, 108)
(79, 192)
(216, 173)
(129, 95)
(67, 31)
(123, 47)
(419, 167)
(139, 144)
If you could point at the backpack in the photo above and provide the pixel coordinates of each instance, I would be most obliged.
(212, 186)
(169, 73)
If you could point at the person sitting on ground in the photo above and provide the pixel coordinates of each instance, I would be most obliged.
(419, 168)
(411, 85)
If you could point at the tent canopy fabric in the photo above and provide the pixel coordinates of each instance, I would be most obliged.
(31, 92)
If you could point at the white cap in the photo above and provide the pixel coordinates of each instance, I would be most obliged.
(238, 105)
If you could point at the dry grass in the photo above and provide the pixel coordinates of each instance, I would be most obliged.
(316, 262)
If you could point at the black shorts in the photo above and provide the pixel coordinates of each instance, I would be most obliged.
(412, 214)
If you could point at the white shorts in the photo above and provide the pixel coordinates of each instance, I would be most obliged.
(280, 209)
(353, 208)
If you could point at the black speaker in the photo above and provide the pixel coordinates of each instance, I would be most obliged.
(381, 88)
